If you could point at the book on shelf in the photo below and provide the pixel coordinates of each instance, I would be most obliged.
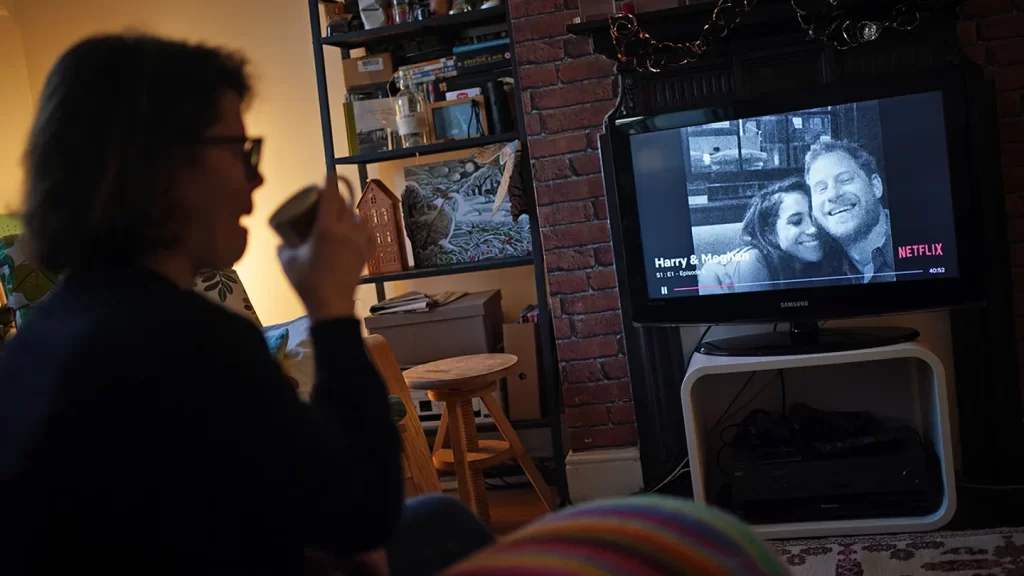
(418, 306)
(350, 128)
(410, 301)
(480, 34)
(483, 59)
(427, 72)
(528, 315)
(446, 298)
(414, 302)
(436, 64)
(372, 120)
(480, 45)
(431, 75)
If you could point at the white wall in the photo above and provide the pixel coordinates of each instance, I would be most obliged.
(15, 108)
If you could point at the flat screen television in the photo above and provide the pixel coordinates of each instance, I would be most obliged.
(832, 202)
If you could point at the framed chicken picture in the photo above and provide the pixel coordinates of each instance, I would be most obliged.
(451, 214)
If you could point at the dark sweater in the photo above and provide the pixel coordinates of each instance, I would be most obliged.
(144, 429)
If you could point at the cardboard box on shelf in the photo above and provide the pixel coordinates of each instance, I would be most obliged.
(469, 325)
(367, 69)
(523, 384)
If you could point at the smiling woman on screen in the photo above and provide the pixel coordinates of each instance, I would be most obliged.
(782, 245)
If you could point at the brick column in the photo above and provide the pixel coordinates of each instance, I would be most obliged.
(992, 34)
(567, 93)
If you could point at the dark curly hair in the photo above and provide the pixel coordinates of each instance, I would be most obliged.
(759, 232)
(118, 117)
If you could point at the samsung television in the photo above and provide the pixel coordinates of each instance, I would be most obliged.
(836, 202)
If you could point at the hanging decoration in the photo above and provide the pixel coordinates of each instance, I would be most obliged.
(830, 24)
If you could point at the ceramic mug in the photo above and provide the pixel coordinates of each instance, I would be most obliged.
(294, 220)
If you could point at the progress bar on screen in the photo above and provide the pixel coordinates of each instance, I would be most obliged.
(664, 290)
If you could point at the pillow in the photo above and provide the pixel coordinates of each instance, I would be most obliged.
(297, 357)
(7, 328)
(224, 288)
(397, 409)
(25, 284)
(277, 341)
(296, 360)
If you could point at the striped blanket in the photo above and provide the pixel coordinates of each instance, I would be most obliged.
(637, 536)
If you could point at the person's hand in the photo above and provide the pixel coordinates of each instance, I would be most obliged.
(715, 279)
(325, 268)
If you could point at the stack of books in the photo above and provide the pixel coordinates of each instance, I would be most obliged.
(414, 302)
(528, 315)
(482, 52)
(427, 72)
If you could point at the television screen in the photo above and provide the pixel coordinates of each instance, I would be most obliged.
(850, 194)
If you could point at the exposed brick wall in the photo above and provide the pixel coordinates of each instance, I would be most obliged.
(567, 93)
(992, 34)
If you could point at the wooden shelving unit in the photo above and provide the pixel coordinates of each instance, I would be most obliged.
(448, 27)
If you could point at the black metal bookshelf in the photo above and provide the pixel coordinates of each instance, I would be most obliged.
(397, 32)
(463, 268)
(449, 27)
(426, 149)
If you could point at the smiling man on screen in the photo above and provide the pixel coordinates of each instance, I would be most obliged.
(846, 200)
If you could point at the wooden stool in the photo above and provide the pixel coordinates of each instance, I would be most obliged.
(456, 382)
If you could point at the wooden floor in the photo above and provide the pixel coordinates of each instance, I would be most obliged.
(512, 508)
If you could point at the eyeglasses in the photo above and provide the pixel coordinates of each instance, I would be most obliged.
(251, 148)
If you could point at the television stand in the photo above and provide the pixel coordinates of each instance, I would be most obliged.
(808, 338)
(904, 384)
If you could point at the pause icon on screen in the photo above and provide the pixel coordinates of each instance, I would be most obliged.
(664, 289)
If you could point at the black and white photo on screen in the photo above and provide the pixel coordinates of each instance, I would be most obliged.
(789, 200)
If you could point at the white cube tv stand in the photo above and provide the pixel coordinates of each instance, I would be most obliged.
(919, 391)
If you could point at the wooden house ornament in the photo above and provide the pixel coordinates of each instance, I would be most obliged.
(379, 206)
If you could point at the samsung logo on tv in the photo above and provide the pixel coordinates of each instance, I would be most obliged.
(795, 304)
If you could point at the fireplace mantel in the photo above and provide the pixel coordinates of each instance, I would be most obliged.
(767, 22)
(768, 49)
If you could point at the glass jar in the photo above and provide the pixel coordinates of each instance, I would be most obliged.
(410, 113)
(400, 12)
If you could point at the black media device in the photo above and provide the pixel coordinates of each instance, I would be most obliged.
(896, 479)
(843, 465)
(847, 200)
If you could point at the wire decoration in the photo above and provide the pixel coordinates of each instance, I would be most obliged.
(830, 24)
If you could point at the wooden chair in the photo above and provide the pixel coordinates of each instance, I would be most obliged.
(417, 462)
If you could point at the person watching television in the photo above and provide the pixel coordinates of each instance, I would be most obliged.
(144, 429)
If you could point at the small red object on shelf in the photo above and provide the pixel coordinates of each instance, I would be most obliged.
(628, 7)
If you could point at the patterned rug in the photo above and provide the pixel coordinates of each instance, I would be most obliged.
(982, 553)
